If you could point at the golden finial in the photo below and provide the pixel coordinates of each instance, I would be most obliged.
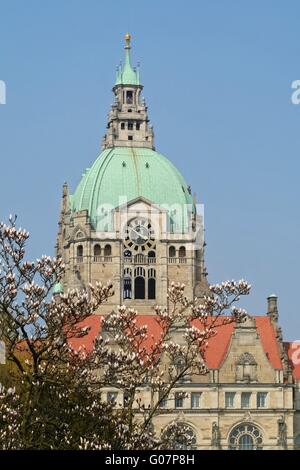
(127, 40)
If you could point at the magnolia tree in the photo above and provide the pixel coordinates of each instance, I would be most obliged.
(53, 397)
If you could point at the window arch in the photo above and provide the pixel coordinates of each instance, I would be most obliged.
(172, 252)
(151, 254)
(97, 250)
(129, 97)
(247, 359)
(79, 251)
(182, 252)
(127, 272)
(151, 273)
(139, 271)
(179, 436)
(245, 436)
(107, 250)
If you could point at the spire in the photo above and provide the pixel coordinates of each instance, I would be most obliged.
(128, 122)
(127, 75)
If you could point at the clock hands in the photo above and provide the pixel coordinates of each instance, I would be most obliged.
(139, 234)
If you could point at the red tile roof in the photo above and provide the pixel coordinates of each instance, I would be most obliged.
(87, 341)
(268, 338)
(217, 345)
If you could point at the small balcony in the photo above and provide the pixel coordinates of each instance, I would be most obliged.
(102, 259)
(180, 260)
(139, 259)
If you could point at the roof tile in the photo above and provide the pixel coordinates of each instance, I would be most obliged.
(217, 345)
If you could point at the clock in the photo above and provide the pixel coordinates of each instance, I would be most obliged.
(139, 234)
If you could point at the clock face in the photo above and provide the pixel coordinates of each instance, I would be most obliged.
(139, 234)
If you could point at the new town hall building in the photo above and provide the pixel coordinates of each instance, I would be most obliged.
(133, 220)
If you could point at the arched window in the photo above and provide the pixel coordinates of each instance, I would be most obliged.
(139, 287)
(172, 252)
(107, 250)
(245, 437)
(151, 289)
(140, 259)
(179, 436)
(122, 125)
(129, 97)
(246, 442)
(79, 253)
(97, 250)
(152, 273)
(127, 288)
(127, 272)
(182, 252)
(151, 284)
(151, 257)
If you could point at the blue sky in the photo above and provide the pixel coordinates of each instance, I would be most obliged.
(217, 79)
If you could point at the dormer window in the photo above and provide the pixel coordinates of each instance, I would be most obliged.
(129, 97)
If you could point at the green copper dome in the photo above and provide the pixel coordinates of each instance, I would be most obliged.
(122, 174)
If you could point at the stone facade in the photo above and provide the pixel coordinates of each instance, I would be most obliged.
(251, 396)
(248, 400)
(90, 257)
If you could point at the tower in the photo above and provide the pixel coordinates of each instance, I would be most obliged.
(128, 118)
(132, 218)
